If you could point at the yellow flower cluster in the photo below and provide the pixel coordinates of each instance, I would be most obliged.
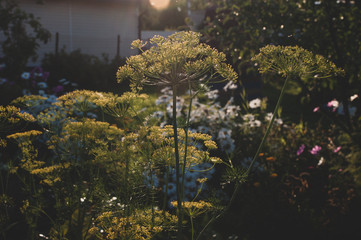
(123, 108)
(29, 101)
(10, 116)
(193, 205)
(50, 169)
(216, 160)
(142, 225)
(3, 143)
(180, 58)
(25, 206)
(202, 180)
(29, 160)
(92, 130)
(163, 141)
(50, 116)
(194, 209)
(78, 96)
(294, 61)
(100, 140)
(20, 136)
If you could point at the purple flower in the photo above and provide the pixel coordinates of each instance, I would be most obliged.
(46, 75)
(300, 149)
(37, 72)
(315, 150)
(58, 89)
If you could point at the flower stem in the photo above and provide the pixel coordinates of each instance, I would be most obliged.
(269, 127)
(186, 138)
(177, 165)
(191, 217)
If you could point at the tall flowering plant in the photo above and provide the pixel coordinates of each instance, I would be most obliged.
(177, 61)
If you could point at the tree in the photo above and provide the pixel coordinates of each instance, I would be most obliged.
(329, 28)
(21, 33)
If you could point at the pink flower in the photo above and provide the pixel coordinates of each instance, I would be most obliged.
(300, 149)
(315, 150)
(337, 149)
(333, 104)
(316, 109)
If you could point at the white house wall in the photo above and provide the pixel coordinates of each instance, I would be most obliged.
(92, 26)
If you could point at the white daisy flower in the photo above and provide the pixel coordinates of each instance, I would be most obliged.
(42, 85)
(25, 75)
(255, 103)
(353, 97)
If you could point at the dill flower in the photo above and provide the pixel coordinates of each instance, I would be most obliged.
(202, 180)
(294, 61)
(194, 209)
(29, 153)
(142, 225)
(180, 58)
(216, 160)
(11, 117)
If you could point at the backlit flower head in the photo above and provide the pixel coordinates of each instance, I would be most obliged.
(180, 58)
(294, 61)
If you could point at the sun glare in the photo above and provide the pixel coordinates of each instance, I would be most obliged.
(159, 4)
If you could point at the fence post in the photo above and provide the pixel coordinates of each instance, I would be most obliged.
(56, 43)
(118, 46)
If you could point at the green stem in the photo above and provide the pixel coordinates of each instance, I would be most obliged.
(269, 126)
(126, 175)
(186, 138)
(152, 195)
(165, 198)
(176, 151)
(233, 197)
(192, 227)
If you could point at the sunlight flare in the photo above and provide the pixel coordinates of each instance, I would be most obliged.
(159, 4)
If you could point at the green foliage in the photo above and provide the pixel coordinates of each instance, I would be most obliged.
(21, 33)
(87, 71)
(171, 18)
(329, 28)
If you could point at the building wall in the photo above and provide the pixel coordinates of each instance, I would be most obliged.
(92, 26)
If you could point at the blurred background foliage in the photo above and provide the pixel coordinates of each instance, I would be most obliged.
(329, 28)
